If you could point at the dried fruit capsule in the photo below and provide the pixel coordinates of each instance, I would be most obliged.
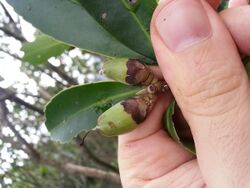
(129, 71)
(126, 115)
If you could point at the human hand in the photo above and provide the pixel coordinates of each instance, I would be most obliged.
(200, 62)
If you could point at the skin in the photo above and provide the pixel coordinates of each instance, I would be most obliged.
(218, 117)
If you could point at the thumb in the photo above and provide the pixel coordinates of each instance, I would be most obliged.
(201, 64)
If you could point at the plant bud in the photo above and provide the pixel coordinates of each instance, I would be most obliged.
(129, 71)
(126, 115)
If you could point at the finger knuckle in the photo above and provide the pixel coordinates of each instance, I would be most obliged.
(213, 93)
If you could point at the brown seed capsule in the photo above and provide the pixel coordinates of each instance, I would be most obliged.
(129, 71)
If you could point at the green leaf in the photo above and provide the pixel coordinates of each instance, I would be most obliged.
(145, 11)
(170, 128)
(122, 21)
(76, 109)
(43, 48)
(68, 21)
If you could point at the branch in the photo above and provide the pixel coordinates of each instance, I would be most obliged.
(7, 12)
(7, 31)
(5, 122)
(11, 27)
(86, 171)
(94, 157)
(49, 73)
(6, 94)
(62, 74)
(27, 105)
(10, 54)
(44, 93)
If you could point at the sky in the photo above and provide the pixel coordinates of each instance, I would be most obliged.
(8, 66)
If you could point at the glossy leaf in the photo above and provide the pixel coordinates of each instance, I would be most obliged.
(76, 109)
(69, 22)
(145, 11)
(170, 128)
(43, 48)
(119, 18)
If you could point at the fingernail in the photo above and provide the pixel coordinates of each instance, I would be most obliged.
(183, 23)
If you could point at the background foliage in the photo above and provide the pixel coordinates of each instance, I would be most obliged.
(28, 156)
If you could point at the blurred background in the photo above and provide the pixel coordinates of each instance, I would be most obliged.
(28, 157)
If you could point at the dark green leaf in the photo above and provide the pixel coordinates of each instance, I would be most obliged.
(170, 128)
(76, 109)
(121, 20)
(43, 48)
(145, 11)
(68, 21)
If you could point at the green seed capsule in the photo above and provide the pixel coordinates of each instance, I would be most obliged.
(129, 71)
(126, 115)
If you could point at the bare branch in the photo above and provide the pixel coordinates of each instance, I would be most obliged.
(62, 74)
(10, 54)
(44, 93)
(94, 157)
(86, 171)
(7, 12)
(49, 73)
(11, 33)
(11, 96)
(5, 122)
(11, 28)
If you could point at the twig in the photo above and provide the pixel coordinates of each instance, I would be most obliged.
(86, 171)
(11, 96)
(62, 74)
(95, 158)
(5, 122)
